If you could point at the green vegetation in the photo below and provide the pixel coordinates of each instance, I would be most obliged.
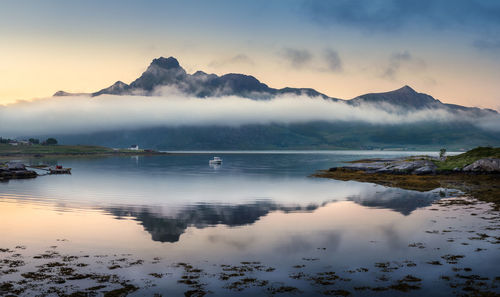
(459, 161)
(50, 141)
(6, 149)
(442, 153)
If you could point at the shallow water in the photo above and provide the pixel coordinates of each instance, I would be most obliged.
(291, 231)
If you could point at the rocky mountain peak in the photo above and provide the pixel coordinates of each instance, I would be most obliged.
(168, 72)
(406, 90)
(166, 63)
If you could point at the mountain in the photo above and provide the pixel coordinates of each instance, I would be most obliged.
(168, 72)
(118, 88)
(312, 135)
(403, 97)
(408, 99)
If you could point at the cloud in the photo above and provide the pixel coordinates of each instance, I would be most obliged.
(490, 123)
(298, 58)
(302, 59)
(399, 60)
(395, 62)
(333, 61)
(393, 15)
(238, 59)
(81, 114)
(487, 44)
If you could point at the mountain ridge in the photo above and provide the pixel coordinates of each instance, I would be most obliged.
(168, 72)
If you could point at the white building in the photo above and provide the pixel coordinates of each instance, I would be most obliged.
(134, 147)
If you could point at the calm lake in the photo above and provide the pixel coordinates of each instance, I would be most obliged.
(258, 225)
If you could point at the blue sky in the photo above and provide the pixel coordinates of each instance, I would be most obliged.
(450, 49)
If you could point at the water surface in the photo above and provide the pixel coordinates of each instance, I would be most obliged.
(139, 217)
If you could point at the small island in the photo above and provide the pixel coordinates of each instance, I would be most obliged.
(476, 172)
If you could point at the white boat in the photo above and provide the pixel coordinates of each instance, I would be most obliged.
(215, 161)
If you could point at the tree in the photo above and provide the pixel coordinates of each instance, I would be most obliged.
(34, 141)
(442, 154)
(51, 141)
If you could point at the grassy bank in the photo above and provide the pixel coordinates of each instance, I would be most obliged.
(7, 150)
(469, 157)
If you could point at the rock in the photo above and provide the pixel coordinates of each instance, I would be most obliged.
(15, 166)
(484, 165)
(366, 166)
(414, 165)
(425, 170)
(14, 170)
(409, 167)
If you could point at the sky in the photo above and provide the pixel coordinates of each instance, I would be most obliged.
(449, 49)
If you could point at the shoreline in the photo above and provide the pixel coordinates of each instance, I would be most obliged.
(99, 154)
(484, 187)
(476, 173)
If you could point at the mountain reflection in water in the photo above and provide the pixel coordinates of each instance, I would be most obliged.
(169, 228)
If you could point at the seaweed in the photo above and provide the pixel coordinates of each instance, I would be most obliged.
(123, 291)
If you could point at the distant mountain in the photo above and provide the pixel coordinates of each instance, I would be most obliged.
(456, 133)
(168, 72)
(312, 135)
(408, 99)
(404, 97)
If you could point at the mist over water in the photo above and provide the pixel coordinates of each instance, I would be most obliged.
(84, 114)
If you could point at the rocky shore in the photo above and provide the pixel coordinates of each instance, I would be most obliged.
(476, 172)
(419, 166)
(13, 170)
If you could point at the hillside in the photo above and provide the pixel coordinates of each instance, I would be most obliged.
(314, 135)
(469, 157)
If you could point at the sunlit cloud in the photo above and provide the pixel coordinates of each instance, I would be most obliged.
(237, 59)
(297, 58)
(333, 61)
(400, 60)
